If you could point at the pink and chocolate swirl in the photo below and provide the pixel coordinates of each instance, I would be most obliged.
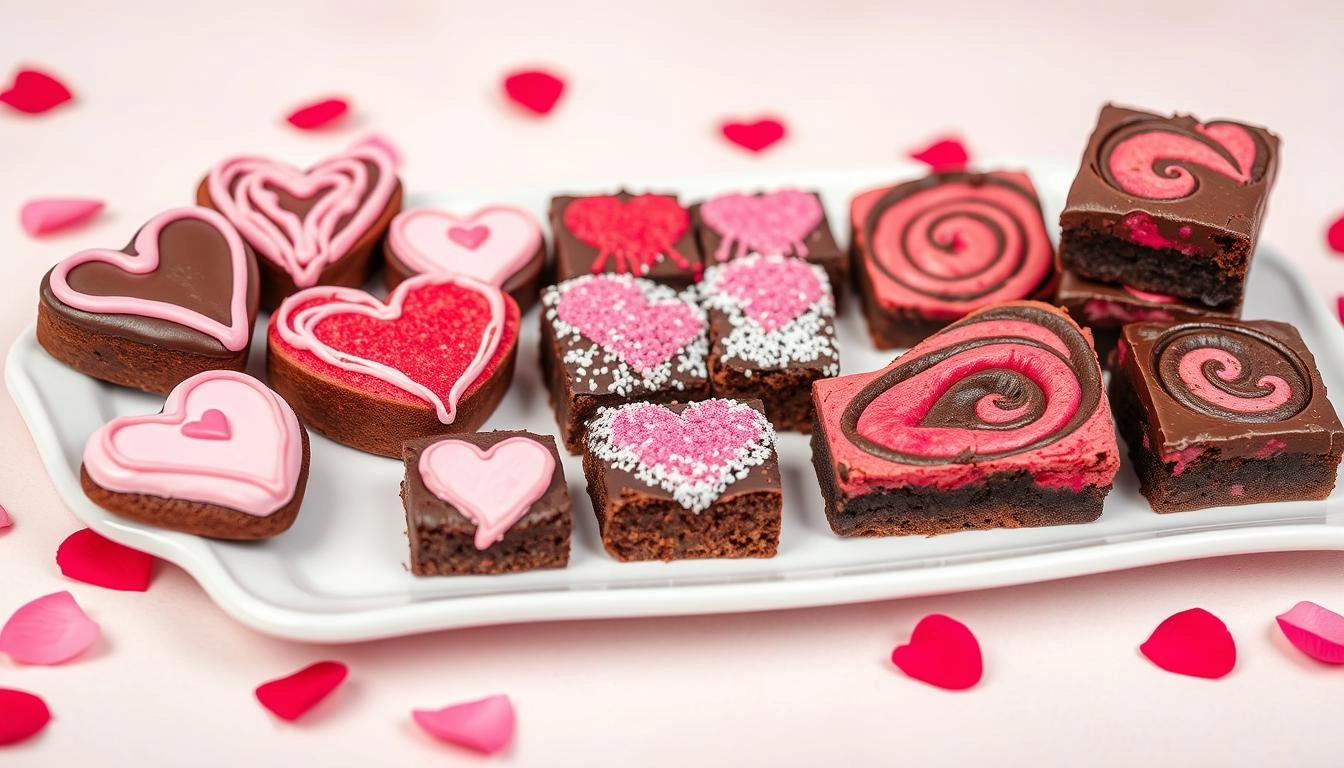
(1158, 158)
(1236, 374)
(1005, 381)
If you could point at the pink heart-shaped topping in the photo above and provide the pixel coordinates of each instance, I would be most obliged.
(615, 313)
(776, 222)
(213, 425)
(943, 652)
(469, 237)
(493, 488)
(772, 290)
(491, 245)
(45, 215)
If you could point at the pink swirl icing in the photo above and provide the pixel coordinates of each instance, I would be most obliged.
(775, 222)
(1151, 163)
(1228, 368)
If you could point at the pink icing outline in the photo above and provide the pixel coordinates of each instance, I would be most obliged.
(209, 483)
(297, 330)
(777, 222)
(497, 502)
(1191, 371)
(303, 247)
(233, 336)
(419, 258)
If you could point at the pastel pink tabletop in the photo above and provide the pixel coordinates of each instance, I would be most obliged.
(162, 90)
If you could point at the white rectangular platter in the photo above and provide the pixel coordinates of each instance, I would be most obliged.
(340, 574)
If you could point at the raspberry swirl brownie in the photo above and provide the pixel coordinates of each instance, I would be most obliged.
(999, 420)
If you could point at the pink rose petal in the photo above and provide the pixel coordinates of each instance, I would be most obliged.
(289, 697)
(318, 114)
(944, 154)
(85, 556)
(485, 725)
(942, 652)
(22, 716)
(382, 144)
(1318, 632)
(5, 522)
(49, 630)
(1192, 642)
(44, 215)
(1334, 236)
(35, 92)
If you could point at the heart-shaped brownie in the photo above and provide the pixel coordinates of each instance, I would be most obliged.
(491, 487)
(773, 222)
(491, 245)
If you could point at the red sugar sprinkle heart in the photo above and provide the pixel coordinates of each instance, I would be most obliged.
(22, 716)
(85, 556)
(1334, 236)
(1194, 643)
(35, 92)
(534, 89)
(1318, 632)
(318, 114)
(755, 136)
(485, 726)
(942, 652)
(944, 154)
(291, 696)
(635, 232)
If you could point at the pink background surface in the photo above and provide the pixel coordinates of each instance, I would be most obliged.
(166, 88)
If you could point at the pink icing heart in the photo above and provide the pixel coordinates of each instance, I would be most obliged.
(213, 425)
(613, 312)
(492, 488)
(490, 245)
(469, 237)
(773, 290)
(776, 222)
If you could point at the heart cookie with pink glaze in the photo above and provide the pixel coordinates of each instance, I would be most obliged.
(226, 458)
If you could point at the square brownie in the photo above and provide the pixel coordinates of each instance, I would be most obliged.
(929, 251)
(613, 339)
(1219, 412)
(1169, 204)
(646, 235)
(693, 480)
(771, 334)
(786, 221)
(999, 420)
(486, 503)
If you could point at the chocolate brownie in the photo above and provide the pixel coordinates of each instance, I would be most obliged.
(646, 235)
(931, 250)
(1220, 412)
(998, 420)
(685, 481)
(486, 503)
(1169, 204)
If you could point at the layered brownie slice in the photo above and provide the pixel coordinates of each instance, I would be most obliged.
(685, 481)
(1224, 412)
(929, 251)
(998, 420)
(1169, 204)
(646, 235)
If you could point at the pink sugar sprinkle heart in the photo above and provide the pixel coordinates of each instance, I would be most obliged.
(615, 314)
(485, 726)
(45, 215)
(35, 92)
(318, 114)
(772, 291)
(942, 652)
(1318, 632)
(469, 237)
(88, 557)
(944, 154)
(291, 696)
(1193, 642)
(755, 136)
(536, 90)
(775, 222)
(49, 630)
(1334, 236)
(213, 425)
(22, 716)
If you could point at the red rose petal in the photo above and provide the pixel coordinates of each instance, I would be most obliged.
(943, 652)
(85, 556)
(1318, 632)
(1334, 236)
(1339, 307)
(535, 89)
(485, 725)
(1193, 642)
(44, 215)
(22, 716)
(49, 630)
(755, 136)
(318, 114)
(35, 92)
(290, 697)
(944, 154)
(5, 522)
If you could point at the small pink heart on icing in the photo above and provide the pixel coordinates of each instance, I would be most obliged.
(491, 245)
(493, 488)
(213, 425)
(614, 313)
(469, 237)
(772, 291)
(777, 222)
(45, 215)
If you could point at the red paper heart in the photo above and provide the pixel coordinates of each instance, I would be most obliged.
(942, 652)
(469, 237)
(22, 716)
(318, 114)
(1192, 642)
(35, 92)
(755, 136)
(85, 556)
(944, 154)
(534, 89)
(634, 232)
(1334, 236)
(289, 697)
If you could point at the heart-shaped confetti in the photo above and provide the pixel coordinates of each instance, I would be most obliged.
(534, 89)
(1193, 642)
(22, 716)
(755, 136)
(85, 556)
(485, 726)
(942, 652)
(1318, 632)
(45, 215)
(943, 155)
(49, 630)
(318, 114)
(35, 92)
(1334, 236)
(291, 696)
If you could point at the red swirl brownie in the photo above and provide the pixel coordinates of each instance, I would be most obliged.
(998, 420)
(1222, 412)
(931, 250)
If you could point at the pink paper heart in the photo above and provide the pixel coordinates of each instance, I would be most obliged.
(44, 215)
(492, 488)
(771, 290)
(777, 222)
(213, 425)
(48, 630)
(942, 652)
(485, 726)
(491, 245)
(613, 312)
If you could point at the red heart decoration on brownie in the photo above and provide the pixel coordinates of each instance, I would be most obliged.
(35, 92)
(943, 652)
(634, 231)
(755, 136)
(1193, 642)
(615, 313)
(469, 237)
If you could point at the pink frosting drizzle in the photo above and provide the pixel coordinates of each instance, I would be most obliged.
(233, 336)
(1133, 160)
(776, 222)
(491, 245)
(614, 312)
(1191, 371)
(772, 291)
(493, 488)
